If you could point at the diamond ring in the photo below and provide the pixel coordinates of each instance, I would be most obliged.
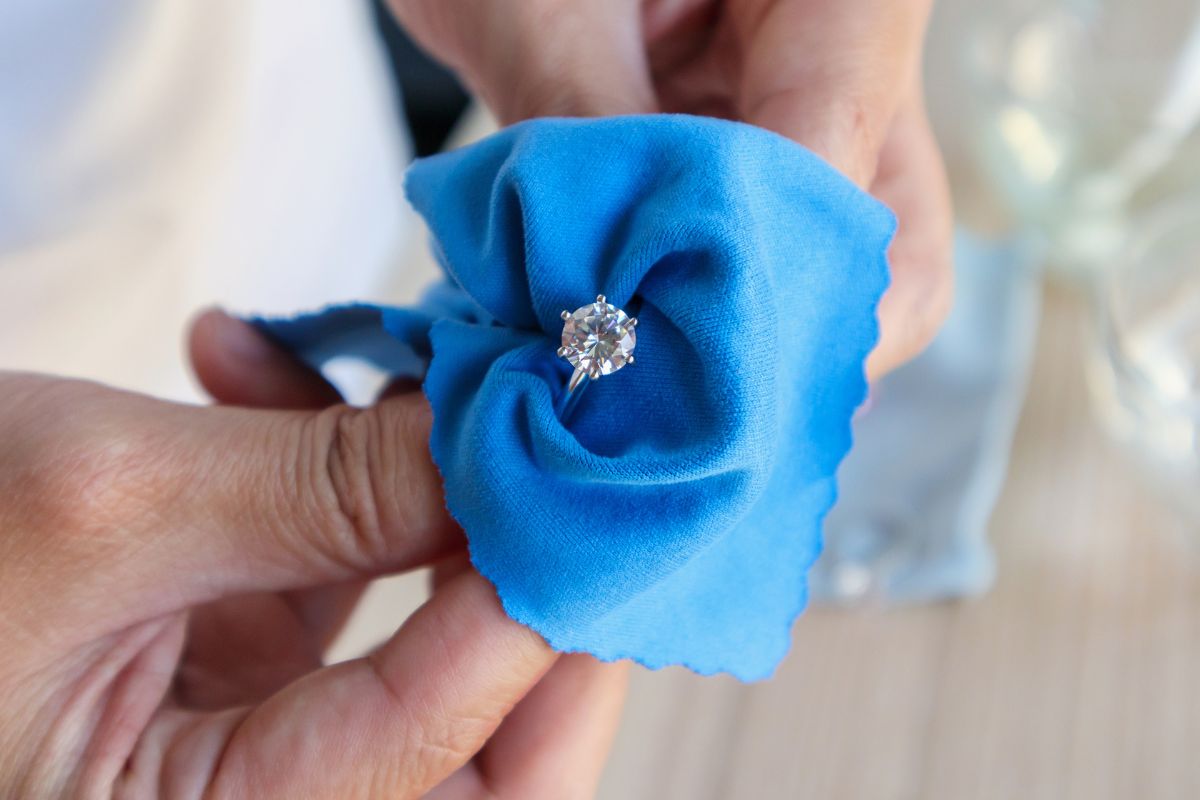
(597, 339)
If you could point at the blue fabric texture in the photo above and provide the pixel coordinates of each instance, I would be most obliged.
(673, 519)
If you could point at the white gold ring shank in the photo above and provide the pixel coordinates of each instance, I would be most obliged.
(597, 340)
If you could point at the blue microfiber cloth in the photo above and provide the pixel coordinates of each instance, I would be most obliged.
(673, 519)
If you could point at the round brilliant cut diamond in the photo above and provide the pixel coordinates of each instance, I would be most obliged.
(598, 339)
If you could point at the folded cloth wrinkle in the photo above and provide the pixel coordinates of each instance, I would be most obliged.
(673, 520)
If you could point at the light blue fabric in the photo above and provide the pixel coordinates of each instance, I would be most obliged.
(674, 519)
(931, 447)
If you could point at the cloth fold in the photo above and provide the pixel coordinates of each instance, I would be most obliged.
(673, 520)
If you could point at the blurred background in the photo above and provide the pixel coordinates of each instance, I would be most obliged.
(1007, 605)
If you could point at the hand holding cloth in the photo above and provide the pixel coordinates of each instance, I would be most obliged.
(673, 518)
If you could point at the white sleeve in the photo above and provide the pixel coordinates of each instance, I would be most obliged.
(161, 155)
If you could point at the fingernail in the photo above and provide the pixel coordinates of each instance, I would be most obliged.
(238, 338)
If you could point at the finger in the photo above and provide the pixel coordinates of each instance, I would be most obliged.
(241, 650)
(308, 498)
(447, 569)
(539, 57)
(912, 181)
(324, 610)
(830, 75)
(696, 68)
(394, 724)
(555, 742)
(237, 365)
(193, 504)
(678, 33)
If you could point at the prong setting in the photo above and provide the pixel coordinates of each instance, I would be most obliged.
(597, 339)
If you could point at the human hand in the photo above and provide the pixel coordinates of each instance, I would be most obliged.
(170, 577)
(842, 78)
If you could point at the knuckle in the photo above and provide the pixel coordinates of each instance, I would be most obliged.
(372, 479)
(345, 484)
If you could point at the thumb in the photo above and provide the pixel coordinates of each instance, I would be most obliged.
(538, 58)
(129, 491)
(831, 76)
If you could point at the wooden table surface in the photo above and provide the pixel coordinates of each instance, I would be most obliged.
(1076, 677)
